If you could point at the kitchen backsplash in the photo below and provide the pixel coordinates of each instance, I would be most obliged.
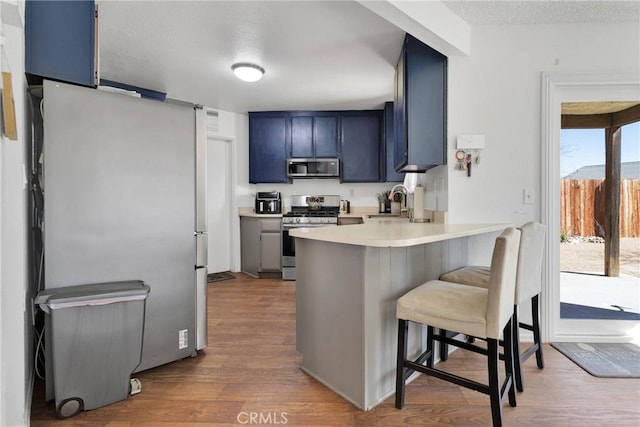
(357, 194)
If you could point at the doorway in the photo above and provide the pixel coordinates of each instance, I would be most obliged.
(220, 203)
(557, 89)
(593, 286)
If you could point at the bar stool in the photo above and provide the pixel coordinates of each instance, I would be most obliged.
(528, 287)
(480, 312)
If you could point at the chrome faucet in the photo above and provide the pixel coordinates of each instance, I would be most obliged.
(405, 197)
(393, 190)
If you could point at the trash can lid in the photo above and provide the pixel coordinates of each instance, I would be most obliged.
(92, 294)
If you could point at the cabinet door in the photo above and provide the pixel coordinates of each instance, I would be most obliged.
(425, 103)
(270, 252)
(60, 40)
(325, 136)
(314, 135)
(420, 107)
(400, 155)
(389, 145)
(268, 148)
(361, 146)
(302, 136)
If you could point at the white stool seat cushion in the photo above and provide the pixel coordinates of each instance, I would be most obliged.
(471, 276)
(528, 283)
(448, 306)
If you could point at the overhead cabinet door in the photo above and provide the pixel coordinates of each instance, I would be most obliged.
(325, 136)
(302, 136)
(314, 135)
(421, 107)
(361, 146)
(268, 134)
(60, 40)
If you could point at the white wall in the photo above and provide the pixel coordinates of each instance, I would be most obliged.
(497, 92)
(15, 330)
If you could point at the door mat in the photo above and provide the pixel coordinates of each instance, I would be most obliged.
(219, 277)
(577, 311)
(606, 360)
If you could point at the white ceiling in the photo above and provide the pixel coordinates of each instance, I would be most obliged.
(317, 54)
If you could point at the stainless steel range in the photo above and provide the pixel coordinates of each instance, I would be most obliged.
(306, 211)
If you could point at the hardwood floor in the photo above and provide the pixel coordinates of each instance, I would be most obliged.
(251, 369)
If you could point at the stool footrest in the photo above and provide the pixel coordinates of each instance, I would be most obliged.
(461, 344)
(419, 361)
(447, 376)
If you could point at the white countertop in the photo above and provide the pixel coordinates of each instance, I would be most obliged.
(356, 212)
(393, 233)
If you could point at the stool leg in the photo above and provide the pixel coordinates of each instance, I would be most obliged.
(517, 365)
(494, 383)
(444, 347)
(403, 328)
(509, 355)
(536, 331)
(430, 346)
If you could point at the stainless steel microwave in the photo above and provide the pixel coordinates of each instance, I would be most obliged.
(313, 168)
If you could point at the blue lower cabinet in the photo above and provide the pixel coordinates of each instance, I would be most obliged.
(268, 147)
(361, 146)
(60, 41)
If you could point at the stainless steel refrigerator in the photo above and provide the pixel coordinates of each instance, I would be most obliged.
(124, 199)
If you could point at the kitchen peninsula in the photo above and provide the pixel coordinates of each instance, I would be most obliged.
(348, 281)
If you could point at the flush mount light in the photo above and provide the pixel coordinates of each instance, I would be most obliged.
(247, 72)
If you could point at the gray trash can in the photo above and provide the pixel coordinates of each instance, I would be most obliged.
(93, 335)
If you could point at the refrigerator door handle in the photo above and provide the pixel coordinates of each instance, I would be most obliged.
(201, 168)
(201, 308)
(201, 249)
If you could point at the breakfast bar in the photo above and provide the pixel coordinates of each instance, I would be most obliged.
(348, 281)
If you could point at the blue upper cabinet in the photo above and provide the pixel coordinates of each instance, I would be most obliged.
(389, 145)
(420, 107)
(302, 136)
(361, 146)
(60, 41)
(314, 134)
(268, 147)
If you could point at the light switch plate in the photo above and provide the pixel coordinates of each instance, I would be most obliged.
(527, 197)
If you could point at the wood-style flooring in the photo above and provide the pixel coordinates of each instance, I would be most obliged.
(251, 369)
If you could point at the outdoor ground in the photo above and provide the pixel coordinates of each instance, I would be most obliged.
(587, 257)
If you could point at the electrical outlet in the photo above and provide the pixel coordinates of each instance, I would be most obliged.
(527, 197)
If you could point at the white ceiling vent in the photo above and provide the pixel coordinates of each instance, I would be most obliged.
(213, 125)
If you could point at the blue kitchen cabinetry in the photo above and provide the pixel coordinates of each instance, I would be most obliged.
(420, 105)
(269, 140)
(314, 134)
(389, 145)
(60, 41)
(361, 146)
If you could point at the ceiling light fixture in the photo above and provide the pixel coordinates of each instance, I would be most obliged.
(247, 72)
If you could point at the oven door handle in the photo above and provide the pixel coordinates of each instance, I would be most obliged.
(293, 226)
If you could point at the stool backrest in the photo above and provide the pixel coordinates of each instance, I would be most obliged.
(529, 275)
(502, 281)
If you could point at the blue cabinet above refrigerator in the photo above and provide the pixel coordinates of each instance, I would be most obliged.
(61, 41)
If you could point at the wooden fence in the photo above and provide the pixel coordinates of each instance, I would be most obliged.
(582, 207)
